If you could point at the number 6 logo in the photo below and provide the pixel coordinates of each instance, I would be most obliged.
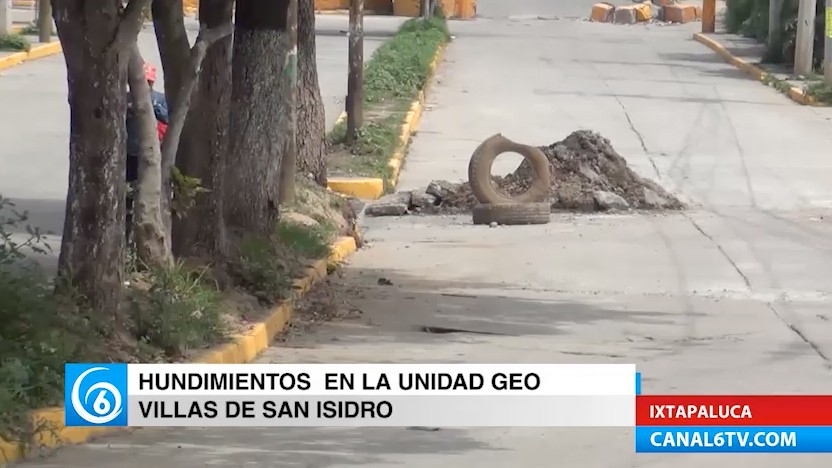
(100, 405)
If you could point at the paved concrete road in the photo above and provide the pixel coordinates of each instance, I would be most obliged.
(34, 121)
(730, 297)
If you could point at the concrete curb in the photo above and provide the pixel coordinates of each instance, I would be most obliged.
(794, 93)
(242, 349)
(34, 53)
(347, 12)
(373, 188)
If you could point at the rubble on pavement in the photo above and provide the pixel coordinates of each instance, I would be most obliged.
(640, 11)
(588, 175)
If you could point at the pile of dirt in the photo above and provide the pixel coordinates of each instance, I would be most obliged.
(587, 175)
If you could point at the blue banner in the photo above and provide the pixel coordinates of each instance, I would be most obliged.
(747, 439)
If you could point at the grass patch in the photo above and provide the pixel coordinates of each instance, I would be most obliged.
(311, 242)
(164, 315)
(393, 78)
(167, 316)
(820, 92)
(178, 311)
(16, 42)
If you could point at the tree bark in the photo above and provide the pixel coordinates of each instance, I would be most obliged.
(259, 120)
(202, 151)
(290, 153)
(96, 40)
(174, 47)
(152, 240)
(311, 120)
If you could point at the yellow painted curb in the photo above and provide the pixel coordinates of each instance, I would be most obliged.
(794, 93)
(34, 53)
(366, 188)
(242, 349)
(347, 12)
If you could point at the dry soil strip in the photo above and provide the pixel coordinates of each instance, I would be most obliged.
(241, 349)
(794, 93)
(373, 188)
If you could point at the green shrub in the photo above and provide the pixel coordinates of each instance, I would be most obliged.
(308, 242)
(400, 67)
(14, 42)
(36, 336)
(181, 312)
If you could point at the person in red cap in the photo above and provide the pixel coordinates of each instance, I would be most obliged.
(160, 109)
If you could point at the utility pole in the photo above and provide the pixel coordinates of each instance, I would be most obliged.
(827, 43)
(355, 80)
(44, 21)
(774, 43)
(804, 46)
(5, 16)
(709, 16)
(775, 11)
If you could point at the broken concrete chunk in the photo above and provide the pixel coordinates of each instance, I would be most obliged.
(422, 199)
(395, 204)
(440, 188)
(653, 199)
(679, 13)
(589, 173)
(625, 15)
(644, 11)
(609, 201)
(602, 12)
(392, 209)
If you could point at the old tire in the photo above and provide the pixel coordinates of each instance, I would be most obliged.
(479, 172)
(512, 213)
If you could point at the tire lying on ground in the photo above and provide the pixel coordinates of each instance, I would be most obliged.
(512, 213)
(479, 172)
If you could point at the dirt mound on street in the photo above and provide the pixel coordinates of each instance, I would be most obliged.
(587, 175)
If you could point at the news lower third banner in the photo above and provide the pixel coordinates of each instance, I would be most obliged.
(365, 395)
(733, 424)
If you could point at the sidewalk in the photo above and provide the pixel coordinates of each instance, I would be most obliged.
(705, 302)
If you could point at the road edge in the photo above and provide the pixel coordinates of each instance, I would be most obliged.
(37, 52)
(792, 92)
(241, 349)
(412, 119)
(373, 188)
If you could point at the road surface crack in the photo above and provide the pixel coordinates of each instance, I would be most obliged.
(633, 128)
(799, 333)
(721, 251)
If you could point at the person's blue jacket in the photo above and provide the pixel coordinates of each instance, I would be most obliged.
(160, 108)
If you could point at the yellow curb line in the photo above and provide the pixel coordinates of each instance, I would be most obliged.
(373, 188)
(342, 11)
(34, 53)
(242, 349)
(794, 93)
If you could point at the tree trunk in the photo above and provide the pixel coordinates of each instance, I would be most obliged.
(311, 121)
(174, 48)
(96, 45)
(290, 153)
(152, 240)
(201, 229)
(259, 120)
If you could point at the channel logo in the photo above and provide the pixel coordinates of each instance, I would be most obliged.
(95, 394)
